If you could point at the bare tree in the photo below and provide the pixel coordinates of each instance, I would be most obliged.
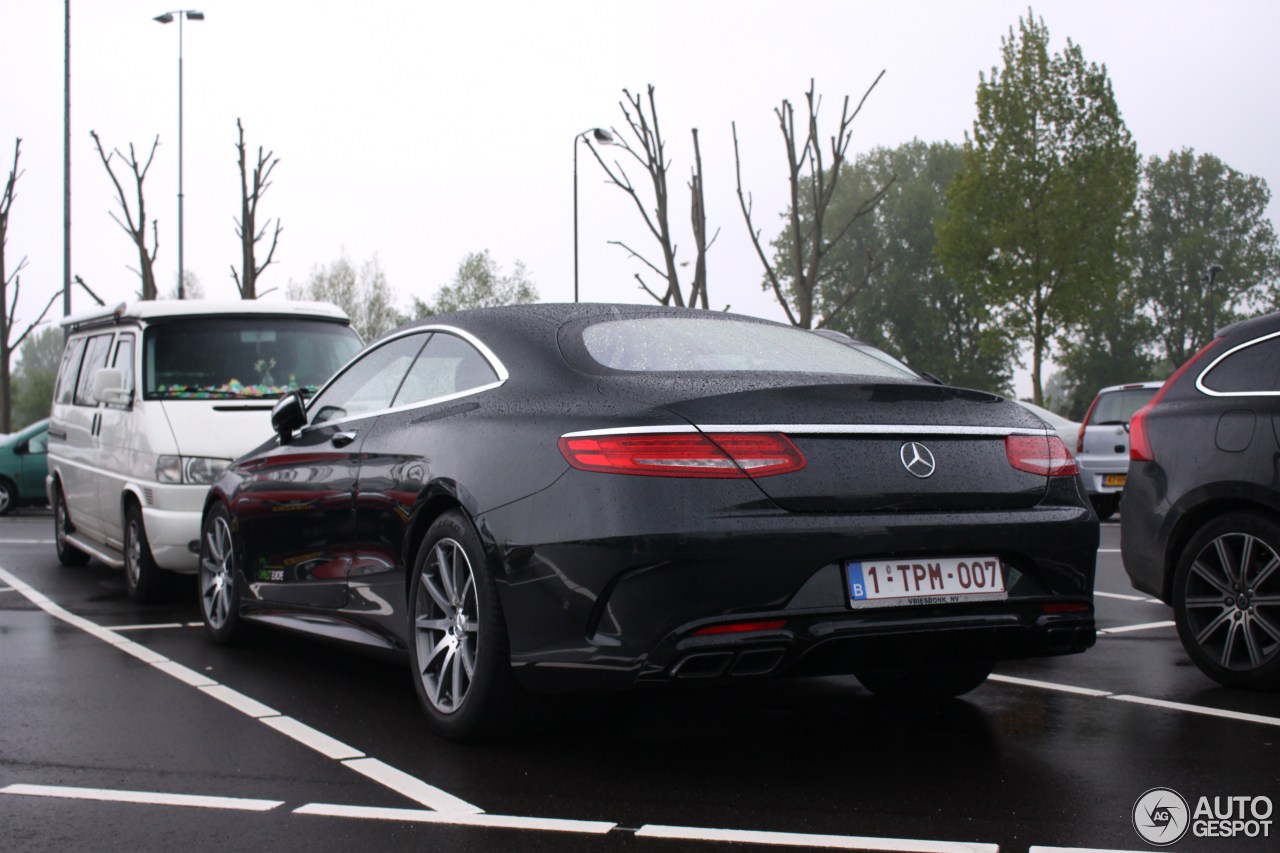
(246, 226)
(797, 270)
(8, 306)
(137, 231)
(650, 152)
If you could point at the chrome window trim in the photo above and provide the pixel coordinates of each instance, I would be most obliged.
(820, 429)
(1205, 389)
(494, 362)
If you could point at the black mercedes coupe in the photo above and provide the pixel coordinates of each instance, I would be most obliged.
(596, 497)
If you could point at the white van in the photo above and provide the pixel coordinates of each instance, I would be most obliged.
(153, 401)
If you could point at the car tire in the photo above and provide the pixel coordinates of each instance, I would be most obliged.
(941, 681)
(141, 574)
(219, 592)
(1226, 600)
(68, 554)
(458, 645)
(8, 496)
(1105, 505)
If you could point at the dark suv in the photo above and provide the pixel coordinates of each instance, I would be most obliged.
(1201, 504)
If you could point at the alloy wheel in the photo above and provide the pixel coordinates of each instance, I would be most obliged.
(447, 626)
(133, 552)
(1232, 601)
(216, 573)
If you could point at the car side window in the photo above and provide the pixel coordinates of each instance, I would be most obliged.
(69, 370)
(39, 443)
(447, 365)
(1251, 370)
(123, 361)
(95, 357)
(370, 383)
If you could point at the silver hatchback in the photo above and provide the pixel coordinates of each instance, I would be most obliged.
(1102, 445)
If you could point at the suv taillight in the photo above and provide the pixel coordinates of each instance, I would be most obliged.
(1140, 449)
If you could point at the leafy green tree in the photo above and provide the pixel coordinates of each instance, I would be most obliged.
(903, 302)
(34, 376)
(1037, 215)
(1111, 346)
(480, 283)
(363, 293)
(1195, 211)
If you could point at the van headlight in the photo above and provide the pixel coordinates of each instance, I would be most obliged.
(195, 470)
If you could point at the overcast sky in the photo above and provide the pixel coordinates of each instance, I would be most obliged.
(421, 131)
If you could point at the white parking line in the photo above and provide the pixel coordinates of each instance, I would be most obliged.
(1138, 700)
(402, 783)
(28, 541)
(1048, 685)
(1039, 849)
(144, 797)
(1124, 629)
(796, 839)
(1198, 709)
(489, 821)
(1145, 598)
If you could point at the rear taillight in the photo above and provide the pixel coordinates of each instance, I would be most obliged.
(727, 455)
(1040, 454)
(740, 628)
(1139, 439)
(1083, 424)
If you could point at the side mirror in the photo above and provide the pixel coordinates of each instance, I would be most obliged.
(288, 415)
(22, 449)
(108, 386)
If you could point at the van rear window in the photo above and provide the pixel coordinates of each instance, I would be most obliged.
(242, 357)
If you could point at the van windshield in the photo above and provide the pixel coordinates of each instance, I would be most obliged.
(242, 357)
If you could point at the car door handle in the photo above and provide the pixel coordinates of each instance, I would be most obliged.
(59, 434)
(342, 439)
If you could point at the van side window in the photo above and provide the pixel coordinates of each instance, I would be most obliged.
(123, 360)
(69, 370)
(95, 358)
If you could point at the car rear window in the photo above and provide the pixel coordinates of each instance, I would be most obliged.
(1117, 407)
(700, 345)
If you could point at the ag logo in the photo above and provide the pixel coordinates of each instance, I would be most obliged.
(1161, 816)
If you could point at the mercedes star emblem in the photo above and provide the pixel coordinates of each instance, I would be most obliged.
(917, 459)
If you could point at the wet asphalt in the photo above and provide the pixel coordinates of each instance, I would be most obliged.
(1049, 753)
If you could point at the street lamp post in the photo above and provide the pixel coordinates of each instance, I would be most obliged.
(1211, 276)
(601, 137)
(167, 18)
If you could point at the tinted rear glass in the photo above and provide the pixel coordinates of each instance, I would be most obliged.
(1117, 407)
(696, 345)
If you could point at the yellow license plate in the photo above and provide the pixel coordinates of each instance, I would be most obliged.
(1114, 480)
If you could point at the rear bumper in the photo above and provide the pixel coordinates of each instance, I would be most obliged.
(835, 644)
(623, 608)
(1094, 471)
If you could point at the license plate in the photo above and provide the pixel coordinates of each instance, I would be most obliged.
(1114, 480)
(925, 580)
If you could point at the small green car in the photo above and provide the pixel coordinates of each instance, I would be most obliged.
(23, 466)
